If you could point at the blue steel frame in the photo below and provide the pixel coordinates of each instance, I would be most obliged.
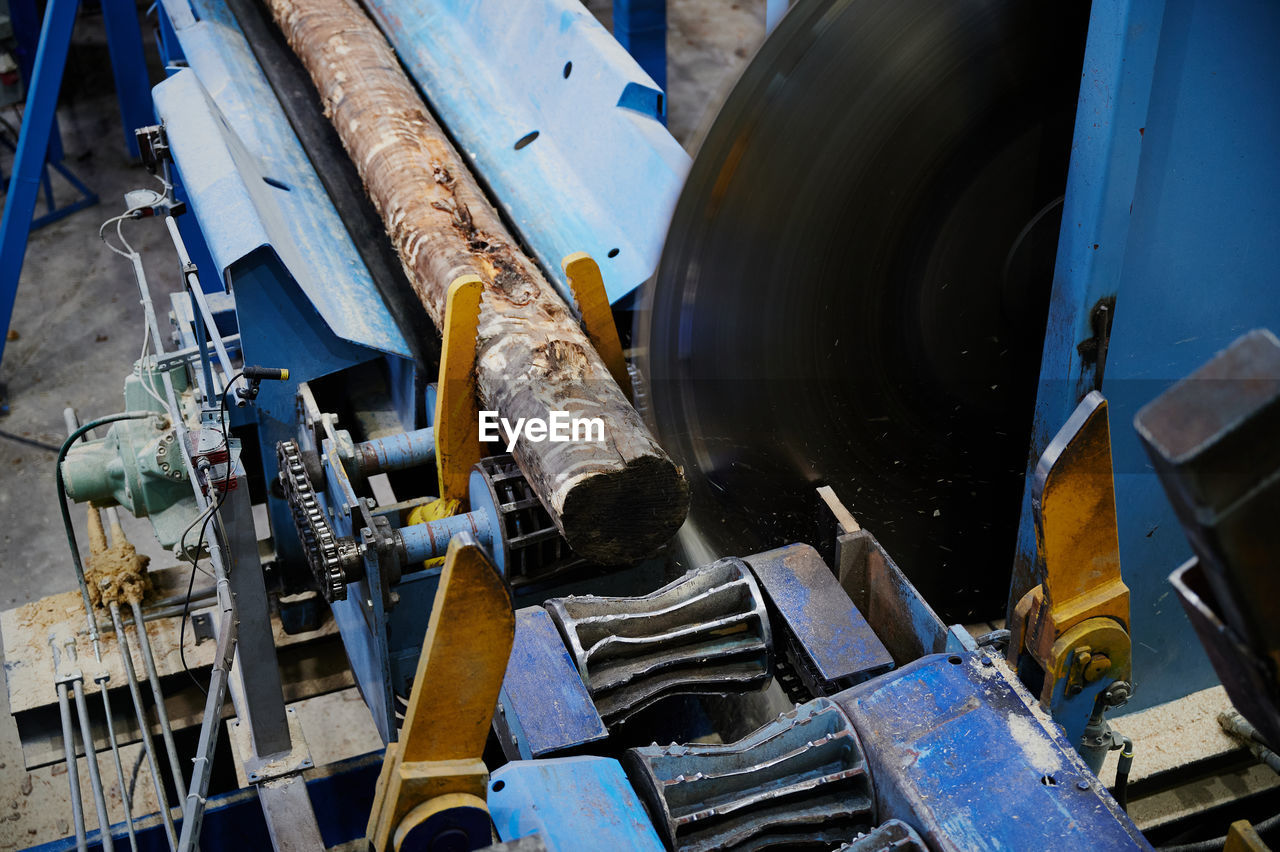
(641, 27)
(1172, 207)
(37, 140)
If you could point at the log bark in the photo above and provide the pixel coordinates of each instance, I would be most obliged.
(614, 500)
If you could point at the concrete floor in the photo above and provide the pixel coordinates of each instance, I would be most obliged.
(77, 330)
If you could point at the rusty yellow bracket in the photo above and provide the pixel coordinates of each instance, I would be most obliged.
(597, 316)
(457, 419)
(433, 779)
(1075, 623)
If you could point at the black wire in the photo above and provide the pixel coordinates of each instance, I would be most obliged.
(195, 560)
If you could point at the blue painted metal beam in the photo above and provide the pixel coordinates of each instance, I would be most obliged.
(1199, 270)
(1171, 210)
(33, 142)
(250, 183)
(1115, 90)
(640, 26)
(342, 796)
(128, 67)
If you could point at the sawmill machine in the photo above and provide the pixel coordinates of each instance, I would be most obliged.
(893, 322)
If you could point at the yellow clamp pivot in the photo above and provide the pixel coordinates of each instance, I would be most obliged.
(457, 419)
(433, 780)
(597, 316)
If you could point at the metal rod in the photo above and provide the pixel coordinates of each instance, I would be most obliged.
(192, 279)
(125, 798)
(72, 421)
(168, 611)
(91, 761)
(140, 710)
(430, 539)
(117, 532)
(73, 771)
(193, 809)
(149, 661)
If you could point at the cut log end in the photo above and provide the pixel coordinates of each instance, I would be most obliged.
(621, 515)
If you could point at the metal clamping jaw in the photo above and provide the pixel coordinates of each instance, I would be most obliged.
(800, 780)
(705, 633)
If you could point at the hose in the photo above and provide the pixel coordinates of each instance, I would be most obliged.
(1123, 767)
(1217, 843)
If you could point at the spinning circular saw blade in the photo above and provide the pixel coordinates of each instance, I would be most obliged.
(854, 285)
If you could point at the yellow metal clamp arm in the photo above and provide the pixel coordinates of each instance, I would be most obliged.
(597, 316)
(457, 416)
(433, 778)
(1075, 623)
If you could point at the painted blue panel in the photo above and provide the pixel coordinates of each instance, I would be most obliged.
(249, 181)
(546, 705)
(600, 177)
(280, 327)
(955, 751)
(829, 628)
(1106, 147)
(1200, 270)
(573, 803)
(408, 624)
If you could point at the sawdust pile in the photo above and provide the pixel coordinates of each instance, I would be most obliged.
(116, 574)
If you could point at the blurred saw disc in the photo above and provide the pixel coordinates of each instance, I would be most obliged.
(854, 286)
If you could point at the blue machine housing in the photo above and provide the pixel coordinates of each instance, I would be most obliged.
(956, 751)
(1167, 253)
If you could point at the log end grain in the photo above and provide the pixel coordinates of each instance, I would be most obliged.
(621, 515)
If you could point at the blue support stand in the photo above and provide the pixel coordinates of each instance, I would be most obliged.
(38, 144)
(641, 27)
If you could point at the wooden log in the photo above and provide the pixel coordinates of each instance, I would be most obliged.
(614, 500)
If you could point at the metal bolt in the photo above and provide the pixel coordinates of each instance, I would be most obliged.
(986, 661)
(1082, 785)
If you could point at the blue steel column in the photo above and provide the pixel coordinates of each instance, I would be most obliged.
(33, 142)
(1115, 89)
(129, 68)
(641, 27)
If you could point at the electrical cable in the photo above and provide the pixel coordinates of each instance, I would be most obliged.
(66, 509)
